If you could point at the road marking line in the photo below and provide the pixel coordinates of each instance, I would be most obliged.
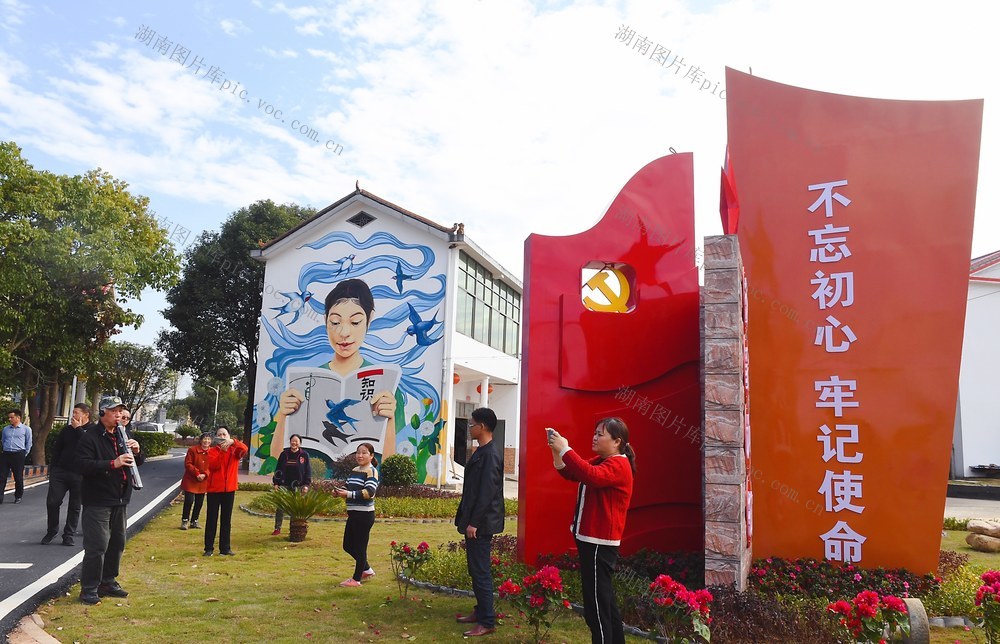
(51, 577)
(15, 566)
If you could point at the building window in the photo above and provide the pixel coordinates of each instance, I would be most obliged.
(488, 309)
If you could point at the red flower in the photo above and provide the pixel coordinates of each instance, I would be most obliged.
(535, 601)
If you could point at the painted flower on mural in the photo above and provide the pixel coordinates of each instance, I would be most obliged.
(275, 386)
(426, 428)
(425, 440)
(405, 448)
(262, 413)
(433, 467)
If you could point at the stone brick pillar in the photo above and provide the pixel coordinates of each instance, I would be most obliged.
(727, 549)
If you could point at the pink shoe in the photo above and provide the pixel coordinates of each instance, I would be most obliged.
(276, 532)
(368, 574)
(350, 583)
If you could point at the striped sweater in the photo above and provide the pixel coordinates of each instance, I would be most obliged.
(361, 486)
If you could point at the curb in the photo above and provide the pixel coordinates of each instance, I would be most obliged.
(30, 631)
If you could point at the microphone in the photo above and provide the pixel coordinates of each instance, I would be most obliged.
(133, 468)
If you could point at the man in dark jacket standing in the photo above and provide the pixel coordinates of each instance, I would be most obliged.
(107, 489)
(480, 516)
(64, 478)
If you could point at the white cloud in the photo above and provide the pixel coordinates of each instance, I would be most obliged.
(284, 53)
(233, 27)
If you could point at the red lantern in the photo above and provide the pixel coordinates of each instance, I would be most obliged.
(489, 389)
(456, 378)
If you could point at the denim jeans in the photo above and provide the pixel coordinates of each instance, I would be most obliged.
(477, 556)
(103, 545)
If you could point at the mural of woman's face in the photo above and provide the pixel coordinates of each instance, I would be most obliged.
(346, 326)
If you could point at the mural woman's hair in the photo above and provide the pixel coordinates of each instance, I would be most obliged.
(352, 289)
(617, 429)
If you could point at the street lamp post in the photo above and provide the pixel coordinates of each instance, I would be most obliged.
(216, 412)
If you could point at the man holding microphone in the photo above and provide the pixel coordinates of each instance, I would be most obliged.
(107, 489)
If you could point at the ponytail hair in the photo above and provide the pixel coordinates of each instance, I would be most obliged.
(617, 429)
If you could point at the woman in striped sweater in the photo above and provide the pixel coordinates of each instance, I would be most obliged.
(359, 491)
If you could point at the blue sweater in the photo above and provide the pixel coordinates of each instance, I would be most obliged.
(361, 487)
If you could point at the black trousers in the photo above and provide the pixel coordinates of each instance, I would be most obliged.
(103, 545)
(13, 461)
(600, 608)
(356, 533)
(220, 504)
(60, 482)
(191, 498)
(477, 557)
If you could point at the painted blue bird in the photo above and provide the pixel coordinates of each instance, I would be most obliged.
(420, 328)
(344, 264)
(400, 276)
(337, 414)
(295, 305)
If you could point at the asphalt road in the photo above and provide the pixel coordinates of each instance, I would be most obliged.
(55, 567)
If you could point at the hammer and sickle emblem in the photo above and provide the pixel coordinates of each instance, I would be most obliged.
(617, 302)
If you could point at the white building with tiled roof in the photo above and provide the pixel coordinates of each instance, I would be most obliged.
(977, 423)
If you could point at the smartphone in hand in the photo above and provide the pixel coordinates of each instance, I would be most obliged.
(550, 432)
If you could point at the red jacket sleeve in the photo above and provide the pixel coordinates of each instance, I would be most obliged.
(238, 449)
(604, 474)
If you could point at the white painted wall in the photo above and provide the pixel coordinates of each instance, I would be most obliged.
(979, 380)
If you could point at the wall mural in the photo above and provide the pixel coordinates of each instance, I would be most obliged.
(363, 361)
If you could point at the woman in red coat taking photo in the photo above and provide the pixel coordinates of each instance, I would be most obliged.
(195, 481)
(599, 518)
(223, 463)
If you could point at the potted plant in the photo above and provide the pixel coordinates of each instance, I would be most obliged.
(300, 507)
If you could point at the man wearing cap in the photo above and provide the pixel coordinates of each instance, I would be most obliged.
(107, 488)
(16, 439)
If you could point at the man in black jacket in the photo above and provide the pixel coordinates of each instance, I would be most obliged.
(107, 489)
(64, 478)
(480, 516)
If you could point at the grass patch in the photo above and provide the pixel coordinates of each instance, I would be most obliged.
(954, 540)
(272, 591)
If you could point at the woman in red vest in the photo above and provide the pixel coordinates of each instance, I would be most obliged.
(223, 463)
(599, 518)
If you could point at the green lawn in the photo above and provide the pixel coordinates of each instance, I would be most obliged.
(272, 591)
(955, 540)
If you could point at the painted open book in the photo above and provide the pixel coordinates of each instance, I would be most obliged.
(336, 414)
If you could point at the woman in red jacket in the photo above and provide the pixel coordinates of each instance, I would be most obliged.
(599, 519)
(223, 462)
(195, 481)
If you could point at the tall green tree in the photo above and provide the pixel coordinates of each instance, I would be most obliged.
(215, 308)
(73, 251)
(138, 374)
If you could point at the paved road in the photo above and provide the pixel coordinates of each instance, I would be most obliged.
(55, 567)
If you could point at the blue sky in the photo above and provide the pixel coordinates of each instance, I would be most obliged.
(510, 116)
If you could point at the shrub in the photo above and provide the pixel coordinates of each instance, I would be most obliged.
(680, 613)
(988, 597)
(868, 616)
(949, 563)
(398, 470)
(951, 523)
(255, 487)
(152, 444)
(406, 562)
(956, 595)
(752, 616)
(318, 468)
(50, 443)
(188, 431)
(340, 467)
(301, 506)
(540, 597)
(836, 580)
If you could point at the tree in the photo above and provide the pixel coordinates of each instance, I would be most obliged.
(215, 308)
(201, 404)
(179, 412)
(75, 250)
(138, 374)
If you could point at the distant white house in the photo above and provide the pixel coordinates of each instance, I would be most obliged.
(977, 423)
(447, 316)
